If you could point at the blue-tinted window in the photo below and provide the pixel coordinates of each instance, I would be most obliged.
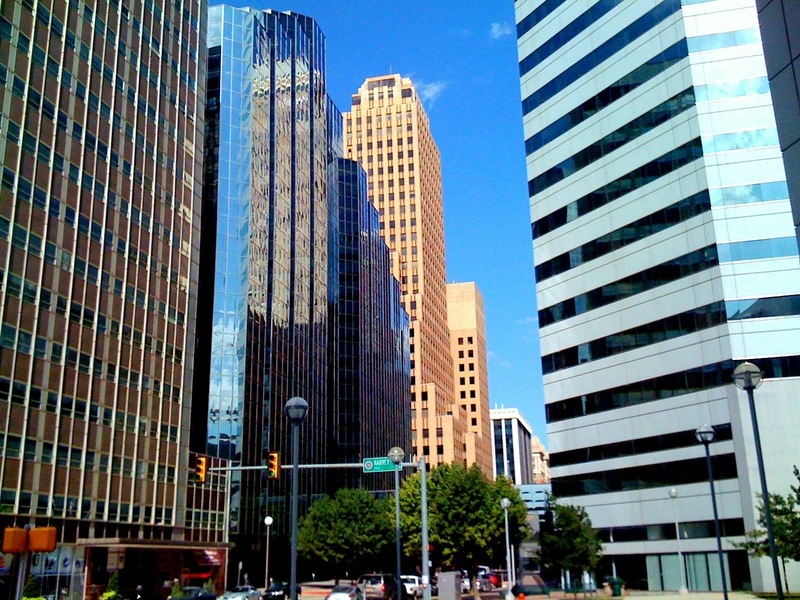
(758, 249)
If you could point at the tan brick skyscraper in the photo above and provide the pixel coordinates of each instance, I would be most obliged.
(465, 317)
(387, 131)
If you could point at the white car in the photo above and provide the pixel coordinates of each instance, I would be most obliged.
(242, 592)
(412, 585)
(345, 592)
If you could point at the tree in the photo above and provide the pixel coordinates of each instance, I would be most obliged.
(465, 520)
(573, 545)
(785, 528)
(346, 532)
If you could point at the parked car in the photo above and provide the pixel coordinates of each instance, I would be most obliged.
(198, 593)
(381, 586)
(345, 592)
(277, 590)
(242, 592)
(412, 583)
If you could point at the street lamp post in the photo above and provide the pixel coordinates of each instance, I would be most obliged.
(396, 455)
(505, 503)
(268, 523)
(748, 377)
(673, 493)
(705, 435)
(295, 409)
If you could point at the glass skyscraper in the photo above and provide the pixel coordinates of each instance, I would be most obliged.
(373, 402)
(269, 122)
(275, 313)
(99, 229)
(665, 254)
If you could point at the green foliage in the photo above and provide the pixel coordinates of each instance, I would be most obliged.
(209, 586)
(346, 532)
(112, 588)
(177, 590)
(33, 588)
(785, 527)
(573, 545)
(466, 525)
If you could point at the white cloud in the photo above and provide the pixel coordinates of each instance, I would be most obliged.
(429, 92)
(500, 30)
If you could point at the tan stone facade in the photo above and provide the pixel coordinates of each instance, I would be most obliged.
(465, 317)
(541, 461)
(388, 133)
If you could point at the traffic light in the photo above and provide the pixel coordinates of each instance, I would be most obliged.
(274, 466)
(200, 469)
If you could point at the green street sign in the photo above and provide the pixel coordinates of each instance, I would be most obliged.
(381, 464)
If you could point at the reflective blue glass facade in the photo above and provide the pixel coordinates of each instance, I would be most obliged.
(373, 411)
(275, 132)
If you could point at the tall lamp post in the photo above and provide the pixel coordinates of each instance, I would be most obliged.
(748, 377)
(295, 409)
(705, 435)
(673, 493)
(505, 503)
(396, 455)
(268, 523)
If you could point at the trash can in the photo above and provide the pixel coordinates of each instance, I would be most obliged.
(616, 587)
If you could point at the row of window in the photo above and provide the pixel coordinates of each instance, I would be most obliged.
(23, 342)
(74, 457)
(37, 148)
(602, 52)
(688, 381)
(582, 22)
(641, 74)
(75, 408)
(635, 447)
(639, 177)
(657, 221)
(665, 328)
(68, 506)
(647, 279)
(26, 290)
(627, 133)
(642, 477)
(690, 530)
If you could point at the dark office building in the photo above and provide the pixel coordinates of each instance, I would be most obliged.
(271, 135)
(101, 144)
(780, 33)
(373, 401)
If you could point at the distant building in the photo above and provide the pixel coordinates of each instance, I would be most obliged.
(465, 317)
(511, 441)
(388, 133)
(541, 461)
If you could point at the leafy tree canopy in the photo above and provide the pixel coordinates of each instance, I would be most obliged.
(573, 544)
(346, 532)
(465, 520)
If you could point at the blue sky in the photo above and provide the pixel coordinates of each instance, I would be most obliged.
(461, 55)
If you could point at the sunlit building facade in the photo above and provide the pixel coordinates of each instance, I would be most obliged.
(511, 441)
(388, 133)
(467, 323)
(101, 144)
(665, 254)
(372, 411)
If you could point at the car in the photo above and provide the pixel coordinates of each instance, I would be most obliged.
(242, 592)
(345, 592)
(277, 590)
(412, 583)
(198, 593)
(380, 586)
